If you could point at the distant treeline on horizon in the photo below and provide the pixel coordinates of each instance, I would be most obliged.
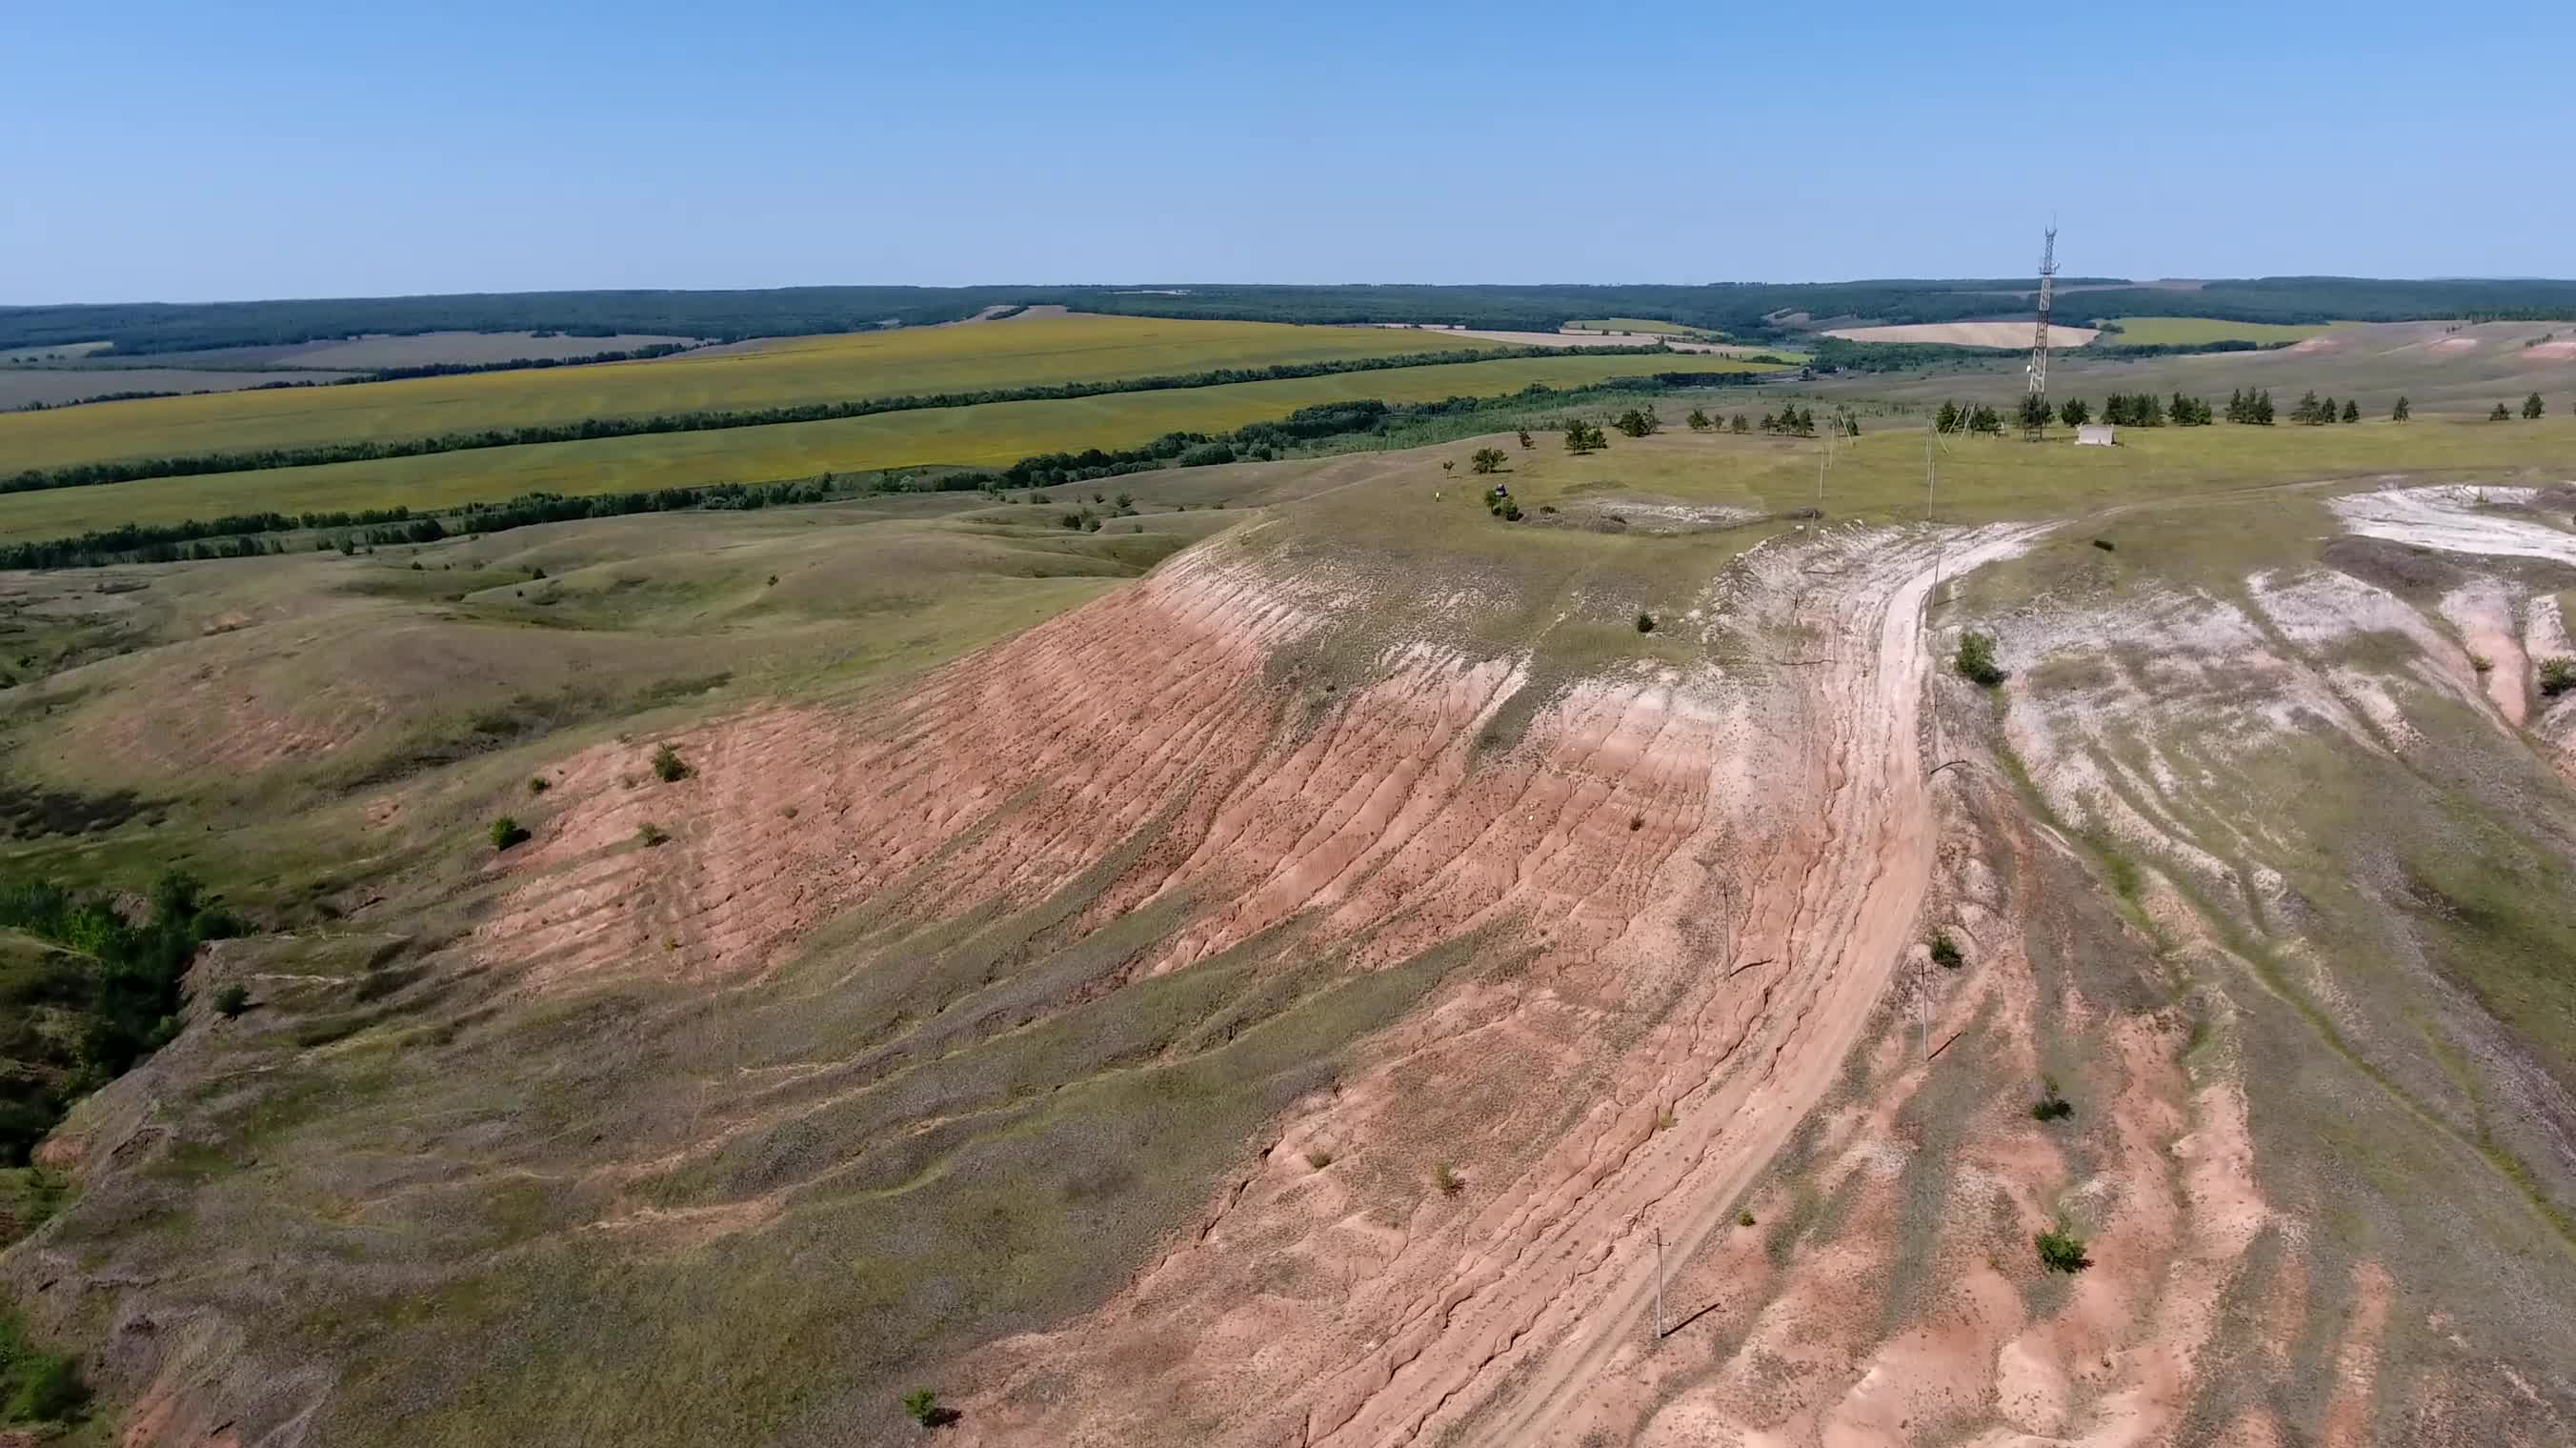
(1753, 311)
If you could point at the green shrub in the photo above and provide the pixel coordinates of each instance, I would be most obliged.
(2051, 1106)
(1976, 660)
(1945, 951)
(538, 786)
(667, 765)
(506, 832)
(2061, 1250)
(36, 1386)
(921, 1405)
(1744, 1219)
(233, 999)
(1645, 622)
(649, 834)
(2557, 676)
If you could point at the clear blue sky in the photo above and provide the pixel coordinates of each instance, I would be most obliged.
(194, 151)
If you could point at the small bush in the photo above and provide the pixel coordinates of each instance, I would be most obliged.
(2051, 1106)
(538, 785)
(43, 1388)
(1744, 1219)
(2105, 545)
(1636, 823)
(2061, 1250)
(1451, 1184)
(921, 1405)
(1319, 1158)
(1645, 622)
(506, 832)
(2557, 676)
(1976, 660)
(232, 1000)
(649, 834)
(667, 766)
(1945, 951)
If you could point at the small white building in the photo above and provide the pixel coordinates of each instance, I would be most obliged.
(2095, 434)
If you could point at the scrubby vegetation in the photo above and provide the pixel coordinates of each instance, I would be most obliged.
(667, 765)
(1945, 951)
(2051, 1106)
(35, 1386)
(507, 832)
(1976, 659)
(2557, 676)
(2061, 1250)
(73, 1019)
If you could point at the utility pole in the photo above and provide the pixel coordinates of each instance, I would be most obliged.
(1659, 1284)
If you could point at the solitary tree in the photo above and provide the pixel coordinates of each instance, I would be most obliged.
(2532, 407)
(2399, 412)
(1525, 438)
(2499, 415)
(2034, 414)
(2351, 411)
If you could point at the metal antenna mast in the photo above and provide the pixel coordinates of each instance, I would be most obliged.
(2047, 290)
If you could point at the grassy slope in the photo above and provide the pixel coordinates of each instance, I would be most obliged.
(994, 433)
(809, 369)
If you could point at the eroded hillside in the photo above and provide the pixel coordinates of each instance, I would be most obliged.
(1342, 987)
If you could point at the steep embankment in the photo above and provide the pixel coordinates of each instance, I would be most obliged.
(1254, 1009)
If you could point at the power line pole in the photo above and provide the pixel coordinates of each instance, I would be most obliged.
(1659, 1284)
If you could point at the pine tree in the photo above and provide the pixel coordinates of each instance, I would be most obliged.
(2075, 413)
(2499, 415)
(1698, 420)
(2399, 412)
(2352, 412)
(1739, 424)
(2532, 407)
(2307, 410)
(1947, 419)
(2238, 409)
(2262, 410)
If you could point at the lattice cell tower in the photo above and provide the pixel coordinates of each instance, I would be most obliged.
(2047, 290)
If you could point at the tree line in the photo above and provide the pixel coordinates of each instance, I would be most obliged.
(75, 475)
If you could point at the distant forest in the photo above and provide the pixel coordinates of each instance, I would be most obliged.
(1748, 310)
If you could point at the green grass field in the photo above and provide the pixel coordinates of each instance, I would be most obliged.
(804, 369)
(2200, 331)
(1644, 325)
(991, 434)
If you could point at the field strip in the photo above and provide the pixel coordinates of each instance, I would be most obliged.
(991, 434)
(914, 361)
